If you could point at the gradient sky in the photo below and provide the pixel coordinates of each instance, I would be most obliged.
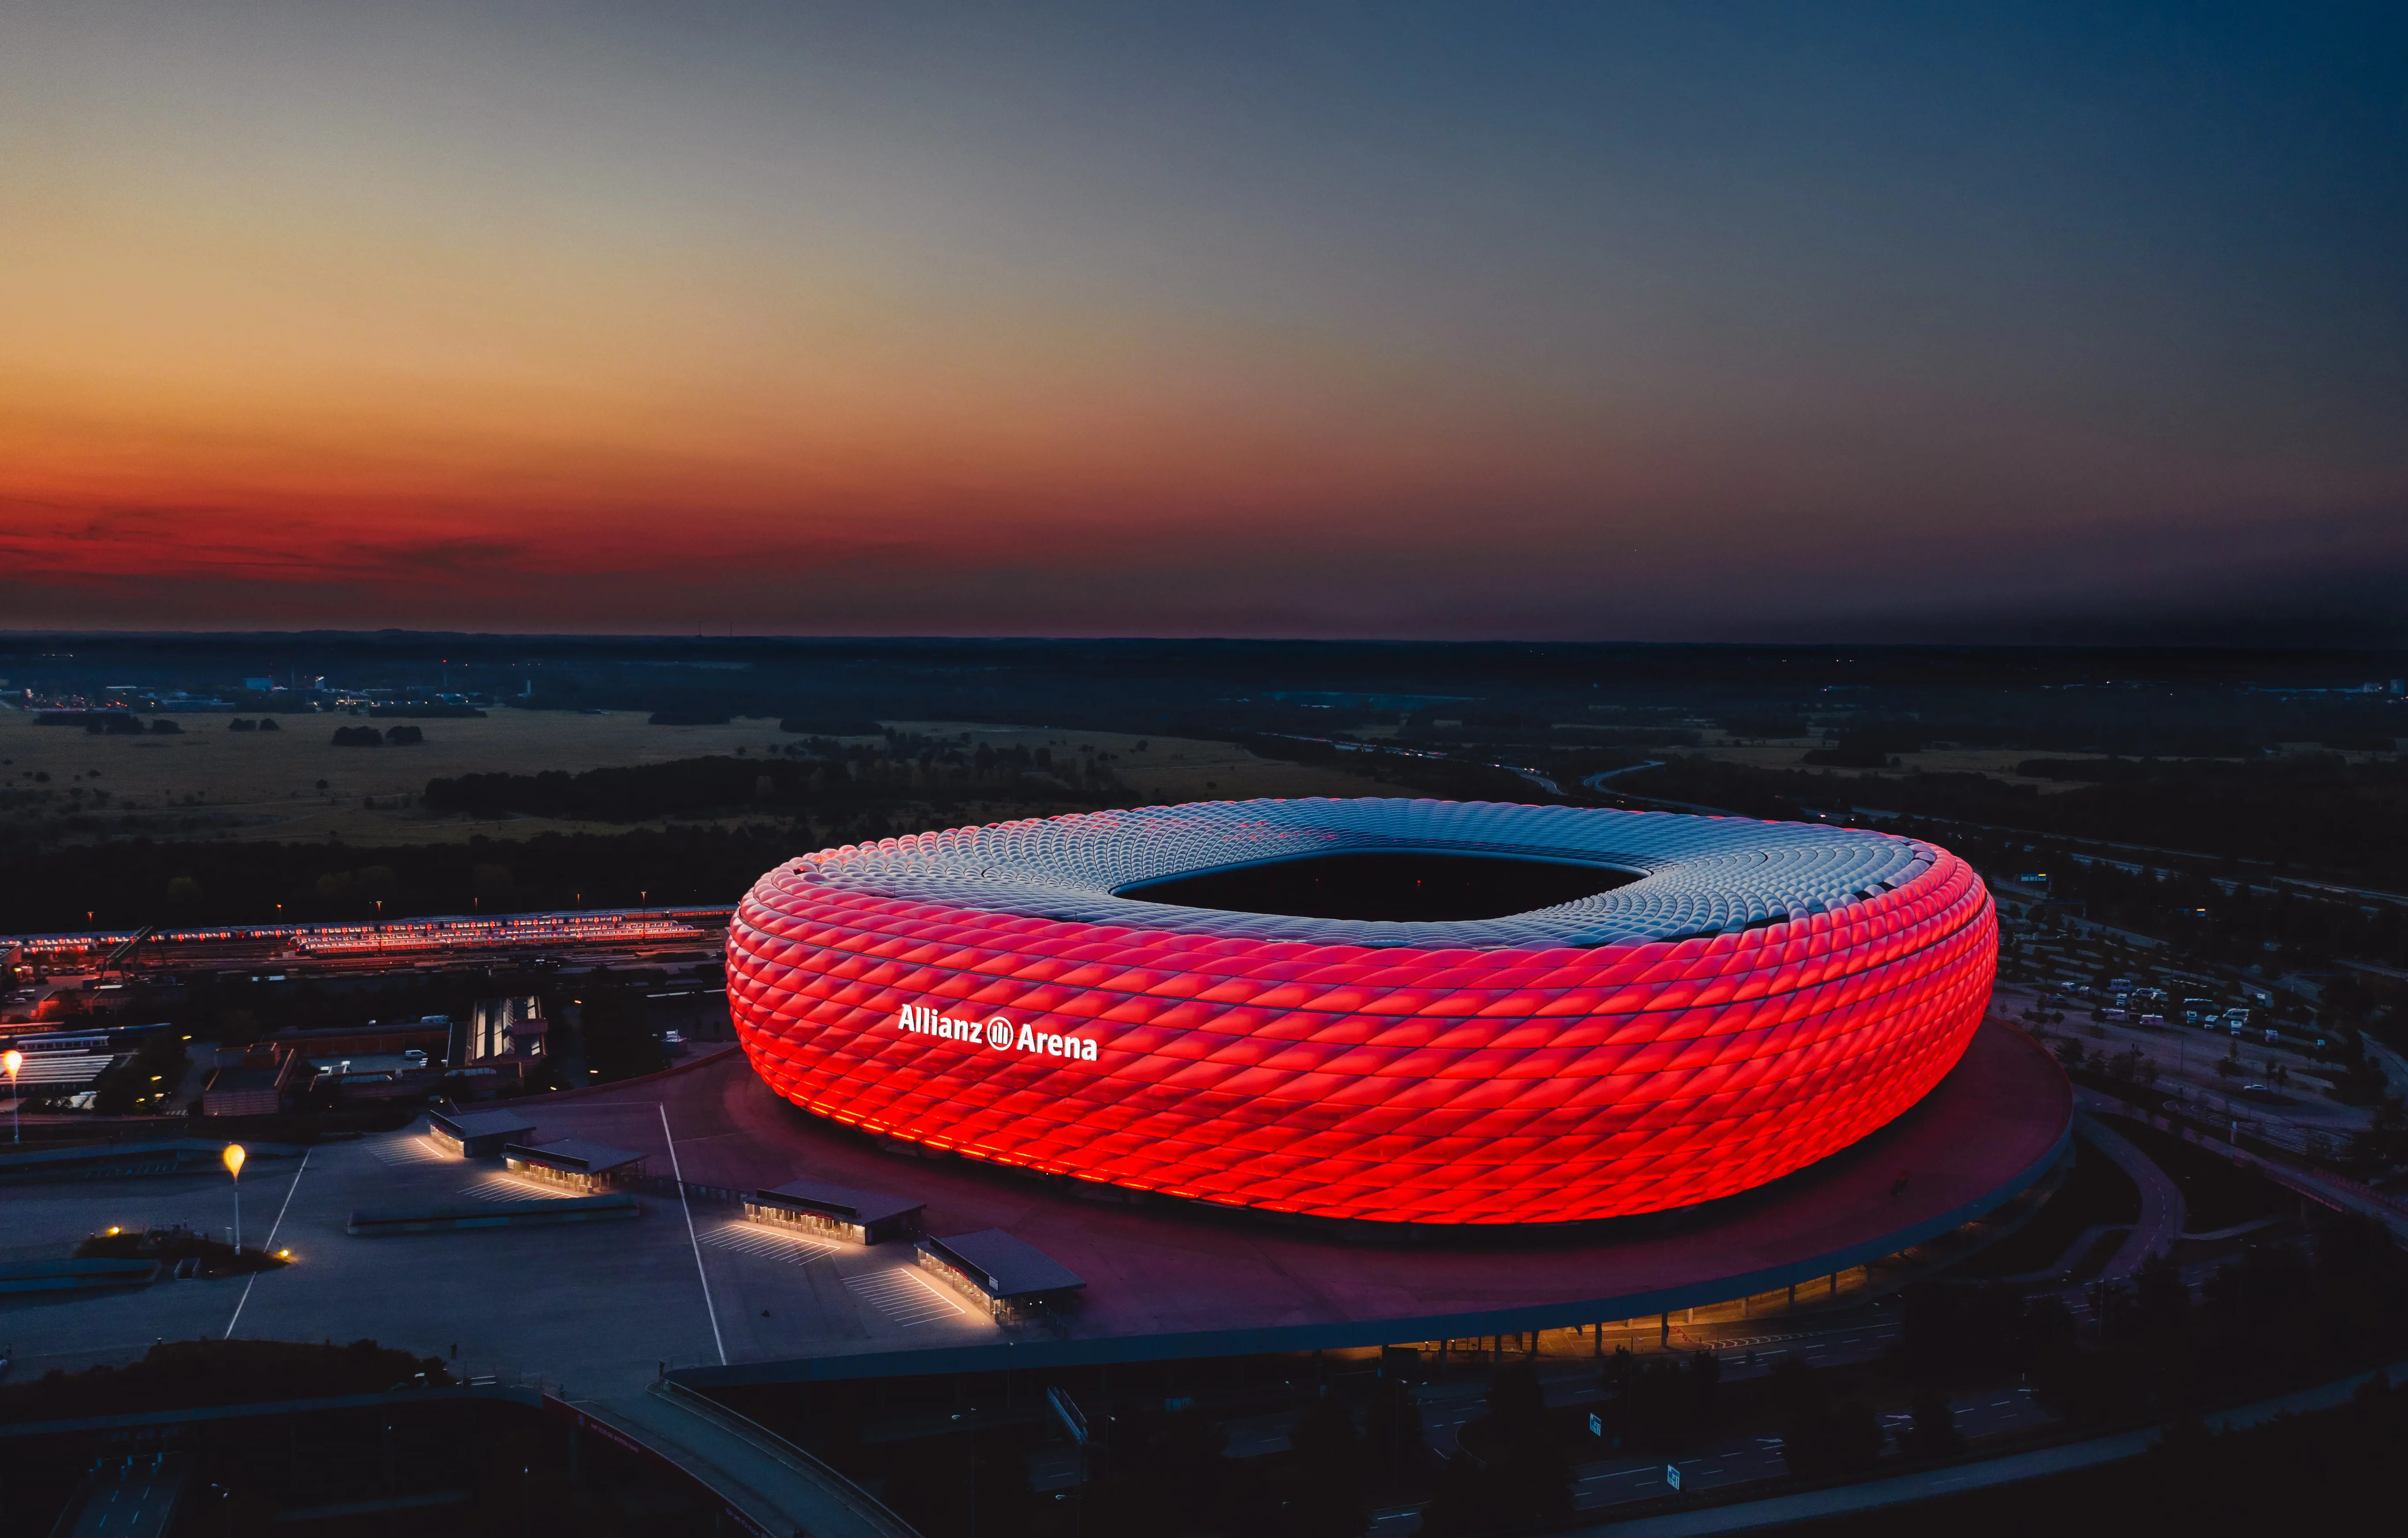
(1593, 321)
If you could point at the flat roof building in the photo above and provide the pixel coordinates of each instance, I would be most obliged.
(250, 1092)
(1004, 1272)
(574, 1161)
(478, 1134)
(865, 1217)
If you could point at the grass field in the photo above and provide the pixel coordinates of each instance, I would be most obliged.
(1173, 769)
(293, 783)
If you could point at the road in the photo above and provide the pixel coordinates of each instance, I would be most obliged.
(1597, 782)
(2162, 1209)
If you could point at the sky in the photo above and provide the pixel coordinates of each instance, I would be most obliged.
(1628, 321)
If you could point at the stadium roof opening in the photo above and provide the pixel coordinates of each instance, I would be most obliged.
(1408, 886)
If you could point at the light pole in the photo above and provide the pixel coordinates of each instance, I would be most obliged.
(12, 1059)
(234, 1167)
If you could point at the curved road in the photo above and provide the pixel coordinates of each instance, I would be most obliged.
(2162, 1210)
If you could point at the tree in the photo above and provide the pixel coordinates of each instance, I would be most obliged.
(1458, 1502)
(1655, 1406)
(2359, 1278)
(1393, 1442)
(1520, 1472)
(2380, 1144)
(2160, 1310)
(1818, 1437)
(1327, 1499)
(1168, 1474)
(1946, 1330)
(615, 1029)
(1934, 1432)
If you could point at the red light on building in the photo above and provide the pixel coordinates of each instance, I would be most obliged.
(1147, 1046)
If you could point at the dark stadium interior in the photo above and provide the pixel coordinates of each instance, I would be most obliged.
(1404, 885)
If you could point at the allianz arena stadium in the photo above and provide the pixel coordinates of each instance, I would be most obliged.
(1422, 1012)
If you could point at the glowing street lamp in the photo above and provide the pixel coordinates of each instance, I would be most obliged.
(234, 1167)
(12, 1059)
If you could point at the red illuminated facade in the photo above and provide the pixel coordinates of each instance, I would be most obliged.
(1448, 1084)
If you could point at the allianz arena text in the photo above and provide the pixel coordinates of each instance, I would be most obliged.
(1336, 1009)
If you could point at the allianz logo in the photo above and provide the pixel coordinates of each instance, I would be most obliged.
(998, 1034)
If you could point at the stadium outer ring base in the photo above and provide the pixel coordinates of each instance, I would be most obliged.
(987, 992)
(1173, 1281)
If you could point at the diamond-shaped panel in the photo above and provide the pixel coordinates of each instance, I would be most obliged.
(1594, 1060)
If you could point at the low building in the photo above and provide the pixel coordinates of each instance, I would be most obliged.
(477, 1134)
(500, 1028)
(252, 1092)
(574, 1162)
(999, 1271)
(838, 1212)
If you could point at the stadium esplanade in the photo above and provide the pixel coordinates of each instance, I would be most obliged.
(1398, 1011)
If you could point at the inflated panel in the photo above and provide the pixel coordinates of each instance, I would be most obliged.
(1764, 995)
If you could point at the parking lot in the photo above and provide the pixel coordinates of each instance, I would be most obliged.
(599, 1306)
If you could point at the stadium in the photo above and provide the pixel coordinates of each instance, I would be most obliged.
(1384, 1011)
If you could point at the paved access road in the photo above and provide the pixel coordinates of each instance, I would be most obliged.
(2163, 1211)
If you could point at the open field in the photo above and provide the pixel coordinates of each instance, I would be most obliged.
(293, 783)
(1790, 753)
(1172, 769)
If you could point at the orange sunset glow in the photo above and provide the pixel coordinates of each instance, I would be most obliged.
(804, 324)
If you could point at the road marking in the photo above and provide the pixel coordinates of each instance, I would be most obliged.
(409, 1150)
(270, 1244)
(763, 1243)
(903, 1296)
(678, 1175)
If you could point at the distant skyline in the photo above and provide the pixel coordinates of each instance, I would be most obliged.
(1879, 323)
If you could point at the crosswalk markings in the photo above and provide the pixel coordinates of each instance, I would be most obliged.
(766, 1243)
(903, 1296)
